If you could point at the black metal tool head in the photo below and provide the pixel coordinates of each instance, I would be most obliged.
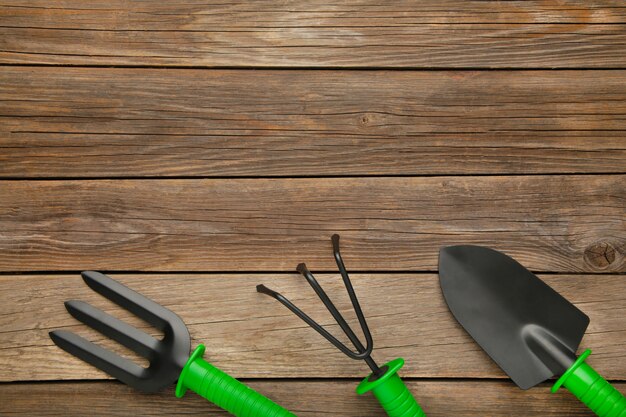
(362, 352)
(526, 327)
(166, 356)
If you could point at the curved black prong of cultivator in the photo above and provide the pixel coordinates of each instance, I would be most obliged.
(362, 352)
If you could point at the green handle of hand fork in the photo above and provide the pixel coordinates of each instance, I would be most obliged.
(224, 391)
(593, 390)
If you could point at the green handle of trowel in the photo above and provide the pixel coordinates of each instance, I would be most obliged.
(593, 390)
(223, 390)
(392, 394)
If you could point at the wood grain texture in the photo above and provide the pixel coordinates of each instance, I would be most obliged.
(92, 134)
(200, 14)
(251, 335)
(549, 223)
(451, 33)
(305, 398)
(63, 122)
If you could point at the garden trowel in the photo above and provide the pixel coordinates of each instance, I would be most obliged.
(526, 327)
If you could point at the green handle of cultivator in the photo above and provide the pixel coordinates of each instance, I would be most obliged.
(391, 392)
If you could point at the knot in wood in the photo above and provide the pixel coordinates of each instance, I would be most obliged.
(601, 255)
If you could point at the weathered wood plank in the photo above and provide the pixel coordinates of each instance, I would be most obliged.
(415, 46)
(429, 34)
(303, 153)
(66, 122)
(549, 223)
(203, 14)
(438, 398)
(251, 335)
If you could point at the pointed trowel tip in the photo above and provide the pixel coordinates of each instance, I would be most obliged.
(462, 253)
(445, 252)
(454, 262)
(455, 249)
(448, 265)
(450, 253)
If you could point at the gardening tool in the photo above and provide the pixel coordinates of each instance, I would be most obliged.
(169, 357)
(526, 327)
(384, 381)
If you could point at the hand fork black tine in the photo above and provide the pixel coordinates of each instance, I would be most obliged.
(134, 339)
(167, 357)
(141, 306)
(121, 368)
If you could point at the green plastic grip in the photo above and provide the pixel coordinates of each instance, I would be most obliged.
(392, 394)
(593, 390)
(223, 390)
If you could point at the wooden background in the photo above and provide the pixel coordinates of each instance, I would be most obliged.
(193, 149)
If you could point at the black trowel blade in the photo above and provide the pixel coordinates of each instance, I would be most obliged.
(526, 327)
